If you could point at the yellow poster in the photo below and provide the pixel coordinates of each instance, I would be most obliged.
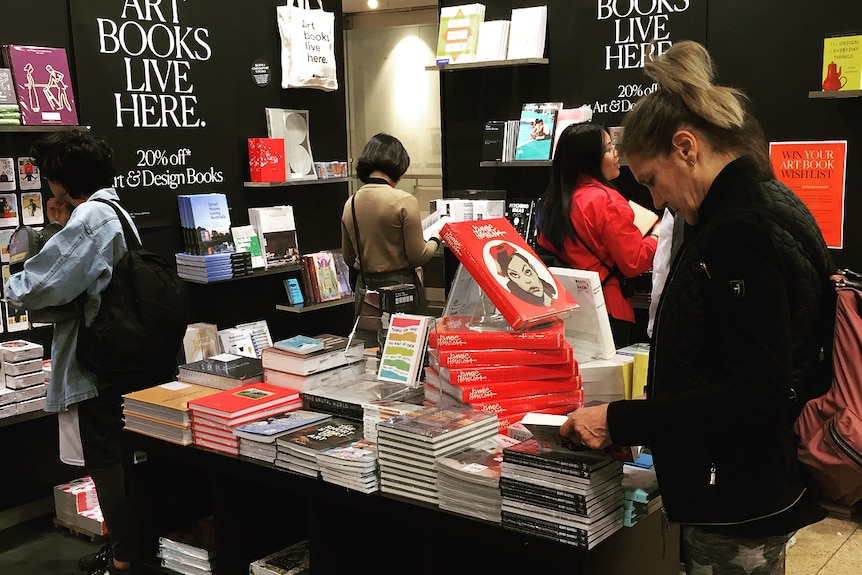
(816, 172)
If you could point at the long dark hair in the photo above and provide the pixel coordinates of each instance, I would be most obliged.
(578, 155)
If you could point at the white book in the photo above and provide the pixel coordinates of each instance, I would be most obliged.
(493, 40)
(236, 341)
(276, 229)
(588, 328)
(527, 33)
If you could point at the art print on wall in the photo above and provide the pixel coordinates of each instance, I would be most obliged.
(8, 210)
(33, 213)
(29, 176)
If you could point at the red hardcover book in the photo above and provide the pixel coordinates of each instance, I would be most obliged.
(43, 85)
(567, 401)
(458, 332)
(477, 357)
(482, 391)
(509, 272)
(499, 373)
(266, 160)
(244, 400)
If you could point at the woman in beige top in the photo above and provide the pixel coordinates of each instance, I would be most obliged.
(388, 220)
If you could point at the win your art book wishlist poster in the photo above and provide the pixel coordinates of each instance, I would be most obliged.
(509, 272)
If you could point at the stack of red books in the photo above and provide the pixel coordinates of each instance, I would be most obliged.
(214, 416)
(509, 373)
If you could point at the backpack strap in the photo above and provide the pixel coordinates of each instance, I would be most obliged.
(134, 243)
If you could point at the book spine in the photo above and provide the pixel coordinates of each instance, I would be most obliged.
(336, 407)
(539, 495)
(545, 529)
(501, 373)
(540, 461)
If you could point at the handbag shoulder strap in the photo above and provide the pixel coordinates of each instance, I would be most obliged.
(358, 242)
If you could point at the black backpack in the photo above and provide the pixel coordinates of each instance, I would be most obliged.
(135, 338)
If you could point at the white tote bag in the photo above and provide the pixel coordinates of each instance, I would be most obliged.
(307, 46)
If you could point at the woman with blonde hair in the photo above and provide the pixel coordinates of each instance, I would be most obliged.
(738, 333)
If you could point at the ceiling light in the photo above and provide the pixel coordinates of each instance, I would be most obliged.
(372, 4)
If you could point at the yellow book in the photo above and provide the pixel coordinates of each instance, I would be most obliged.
(842, 63)
(167, 402)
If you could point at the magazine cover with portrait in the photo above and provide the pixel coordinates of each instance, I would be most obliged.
(513, 277)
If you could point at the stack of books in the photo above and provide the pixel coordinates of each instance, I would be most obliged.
(349, 399)
(297, 451)
(213, 267)
(190, 549)
(163, 411)
(292, 560)
(382, 410)
(215, 416)
(507, 372)
(607, 380)
(562, 492)
(284, 364)
(21, 373)
(641, 495)
(77, 505)
(409, 446)
(205, 219)
(257, 438)
(353, 465)
(468, 479)
(222, 371)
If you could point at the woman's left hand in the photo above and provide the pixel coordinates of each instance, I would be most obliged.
(588, 426)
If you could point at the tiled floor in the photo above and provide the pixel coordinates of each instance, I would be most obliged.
(831, 547)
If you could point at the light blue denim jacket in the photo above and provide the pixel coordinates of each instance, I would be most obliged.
(78, 259)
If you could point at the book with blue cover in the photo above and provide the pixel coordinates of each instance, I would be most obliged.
(536, 130)
(207, 223)
(266, 430)
(301, 344)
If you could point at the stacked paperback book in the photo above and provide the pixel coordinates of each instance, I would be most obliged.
(257, 438)
(284, 363)
(409, 446)
(352, 465)
(215, 416)
(190, 550)
(468, 479)
(163, 411)
(297, 451)
(558, 491)
(23, 385)
(292, 560)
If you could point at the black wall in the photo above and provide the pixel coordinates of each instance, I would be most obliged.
(771, 50)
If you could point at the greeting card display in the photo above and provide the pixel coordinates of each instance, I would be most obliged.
(512, 276)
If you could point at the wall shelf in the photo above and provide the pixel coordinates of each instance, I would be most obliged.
(296, 182)
(515, 163)
(25, 129)
(313, 306)
(254, 274)
(833, 94)
(487, 64)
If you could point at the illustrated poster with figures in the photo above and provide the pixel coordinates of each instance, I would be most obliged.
(7, 174)
(28, 174)
(32, 211)
(8, 210)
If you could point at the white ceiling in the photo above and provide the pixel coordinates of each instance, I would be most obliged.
(352, 6)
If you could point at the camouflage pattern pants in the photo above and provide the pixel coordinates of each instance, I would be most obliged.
(709, 553)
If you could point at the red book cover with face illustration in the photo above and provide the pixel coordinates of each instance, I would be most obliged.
(509, 272)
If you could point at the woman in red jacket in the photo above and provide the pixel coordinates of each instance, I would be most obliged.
(588, 224)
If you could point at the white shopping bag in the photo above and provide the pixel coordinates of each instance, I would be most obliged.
(307, 46)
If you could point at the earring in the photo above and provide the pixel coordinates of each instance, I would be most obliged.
(691, 162)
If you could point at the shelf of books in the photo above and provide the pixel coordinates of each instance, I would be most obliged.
(832, 94)
(313, 306)
(488, 64)
(256, 273)
(296, 182)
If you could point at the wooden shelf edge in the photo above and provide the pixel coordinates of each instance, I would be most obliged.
(313, 306)
(297, 182)
(834, 94)
(487, 64)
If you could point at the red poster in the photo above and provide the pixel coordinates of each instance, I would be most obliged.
(816, 172)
